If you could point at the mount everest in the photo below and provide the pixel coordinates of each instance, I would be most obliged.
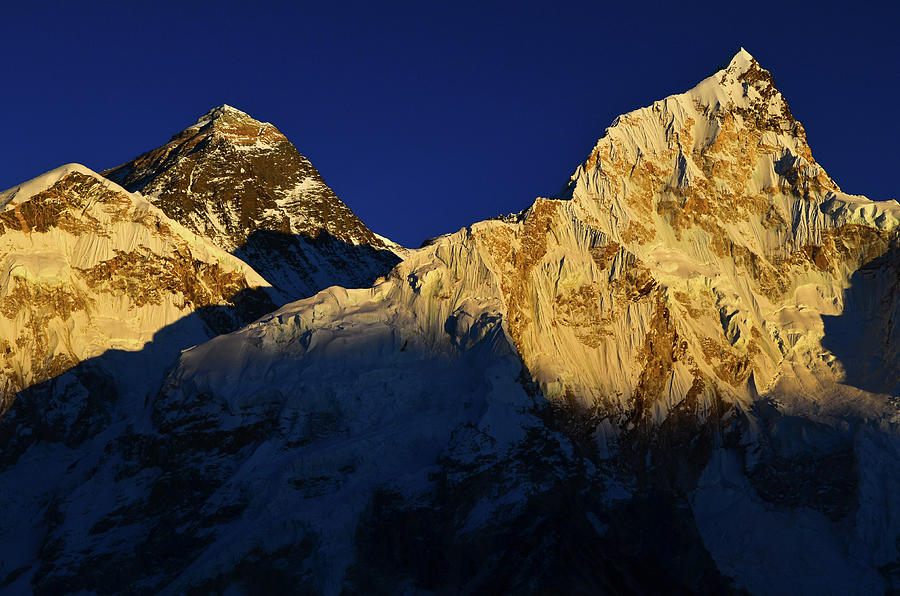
(677, 376)
(243, 186)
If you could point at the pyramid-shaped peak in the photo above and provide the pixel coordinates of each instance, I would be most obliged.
(743, 62)
(742, 58)
(230, 124)
(227, 108)
(224, 112)
(742, 84)
(739, 64)
(740, 94)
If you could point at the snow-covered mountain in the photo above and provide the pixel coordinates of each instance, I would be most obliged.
(89, 267)
(242, 185)
(680, 376)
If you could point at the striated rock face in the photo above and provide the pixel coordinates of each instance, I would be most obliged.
(678, 374)
(89, 267)
(242, 185)
(694, 235)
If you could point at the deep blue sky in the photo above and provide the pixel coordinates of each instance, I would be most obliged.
(425, 117)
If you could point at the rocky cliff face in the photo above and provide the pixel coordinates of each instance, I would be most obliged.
(694, 235)
(243, 186)
(677, 377)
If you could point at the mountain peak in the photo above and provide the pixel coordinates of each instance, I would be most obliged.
(24, 191)
(225, 108)
(233, 126)
(741, 60)
(225, 112)
(744, 86)
(680, 145)
(242, 185)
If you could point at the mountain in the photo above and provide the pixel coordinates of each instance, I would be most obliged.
(89, 267)
(243, 186)
(679, 376)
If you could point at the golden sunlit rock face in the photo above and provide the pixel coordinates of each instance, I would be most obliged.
(91, 267)
(694, 235)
